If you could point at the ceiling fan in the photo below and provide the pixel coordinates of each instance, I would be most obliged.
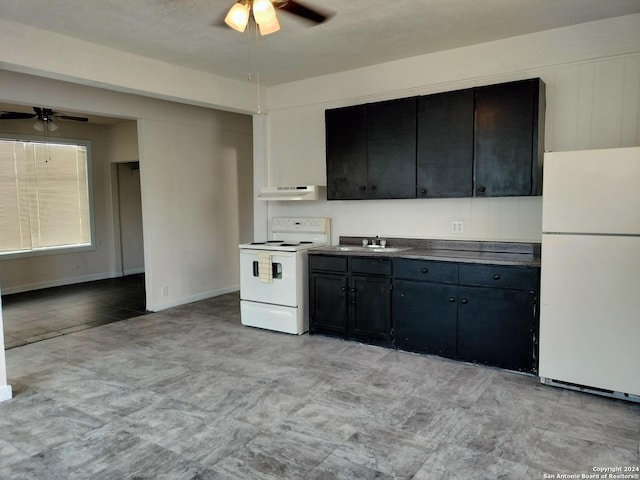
(264, 14)
(45, 117)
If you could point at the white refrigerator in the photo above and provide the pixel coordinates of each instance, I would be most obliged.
(590, 274)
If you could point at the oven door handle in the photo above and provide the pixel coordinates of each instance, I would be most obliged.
(275, 270)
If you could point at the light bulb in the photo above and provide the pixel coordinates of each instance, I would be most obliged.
(39, 125)
(264, 13)
(238, 17)
(271, 27)
(52, 126)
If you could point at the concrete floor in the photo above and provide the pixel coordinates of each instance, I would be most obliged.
(189, 393)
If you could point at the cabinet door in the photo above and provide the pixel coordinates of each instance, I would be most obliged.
(506, 139)
(424, 317)
(445, 145)
(496, 327)
(370, 307)
(391, 140)
(346, 145)
(328, 303)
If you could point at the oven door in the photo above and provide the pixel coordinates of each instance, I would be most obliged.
(286, 273)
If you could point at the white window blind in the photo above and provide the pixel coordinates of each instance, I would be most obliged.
(44, 196)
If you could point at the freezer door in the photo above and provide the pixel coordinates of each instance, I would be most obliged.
(590, 311)
(592, 191)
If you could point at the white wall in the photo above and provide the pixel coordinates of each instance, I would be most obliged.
(592, 73)
(191, 207)
(5, 389)
(191, 160)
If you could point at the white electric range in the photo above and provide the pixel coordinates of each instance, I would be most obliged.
(274, 276)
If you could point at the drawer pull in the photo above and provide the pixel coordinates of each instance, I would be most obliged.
(464, 300)
(362, 187)
(452, 299)
(425, 270)
(496, 277)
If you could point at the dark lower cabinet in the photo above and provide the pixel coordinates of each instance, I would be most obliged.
(328, 305)
(478, 313)
(353, 300)
(497, 327)
(370, 307)
(425, 317)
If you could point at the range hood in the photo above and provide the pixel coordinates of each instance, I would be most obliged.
(299, 192)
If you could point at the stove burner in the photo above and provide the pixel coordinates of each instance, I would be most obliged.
(275, 241)
(289, 244)
(305, 241)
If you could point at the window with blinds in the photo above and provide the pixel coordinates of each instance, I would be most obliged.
(44, 196)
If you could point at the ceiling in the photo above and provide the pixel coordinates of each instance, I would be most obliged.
(190, 33)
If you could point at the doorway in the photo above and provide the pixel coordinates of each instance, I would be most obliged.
(130, 218)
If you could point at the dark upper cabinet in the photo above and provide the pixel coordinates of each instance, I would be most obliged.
(391, 141)
(371, 151)
(346, 144)
(509, 129)
(445, 145)
(485, 142)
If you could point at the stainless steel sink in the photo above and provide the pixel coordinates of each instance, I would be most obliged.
(370, 248)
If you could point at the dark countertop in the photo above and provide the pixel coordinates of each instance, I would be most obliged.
(496, 253)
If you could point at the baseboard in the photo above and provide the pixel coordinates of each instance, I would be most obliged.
(133, 271)
(59, 282)
(5, 393)
(156, 307)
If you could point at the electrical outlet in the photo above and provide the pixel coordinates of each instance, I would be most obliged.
(457, 226)
(165, 290)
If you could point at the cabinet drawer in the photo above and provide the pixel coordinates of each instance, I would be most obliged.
(500, 276)
(425, 270)
(328, 262)
(376, 266)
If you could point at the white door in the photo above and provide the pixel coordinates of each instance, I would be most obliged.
(590, 311)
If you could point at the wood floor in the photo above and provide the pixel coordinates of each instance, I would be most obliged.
(40, 314)
(189, 393)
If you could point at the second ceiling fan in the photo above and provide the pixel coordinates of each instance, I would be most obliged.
(264, 14)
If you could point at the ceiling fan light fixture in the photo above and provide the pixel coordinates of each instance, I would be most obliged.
(271, 27)
(39, 125)
(238, 16)
(264, 13)
(52, 127)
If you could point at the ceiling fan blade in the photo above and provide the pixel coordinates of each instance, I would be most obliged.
(72, 118)
(296, 8)
(15, 115)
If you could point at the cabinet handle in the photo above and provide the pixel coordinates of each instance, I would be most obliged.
(423, 191)
(343, 289)
(464, 300)
(362, 187)
(496, 277)
(372, 187)
(352, 290)
(482, 189)
(452, 299)
(425, 270)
